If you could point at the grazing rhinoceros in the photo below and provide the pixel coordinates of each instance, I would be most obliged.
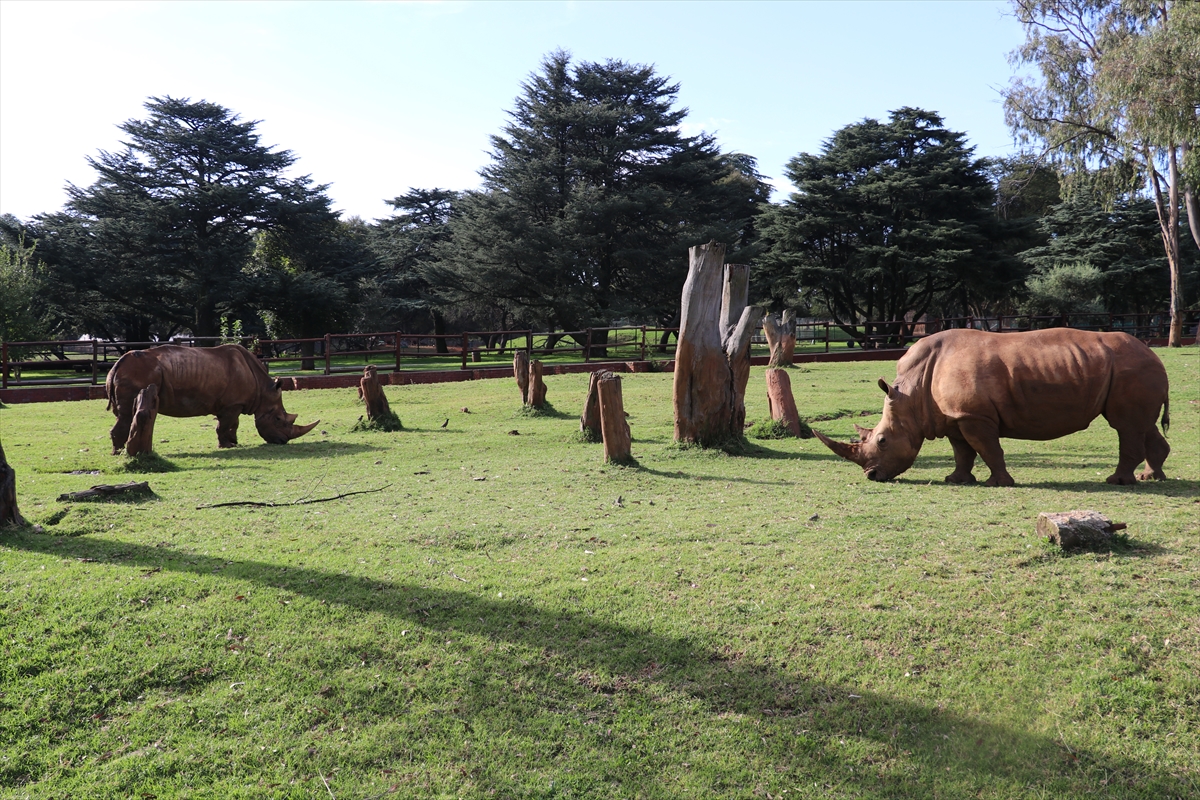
(224, 381)
(974, 387)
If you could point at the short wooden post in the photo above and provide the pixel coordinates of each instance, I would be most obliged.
(9, 515)
(780, 400)
(537, 387)
(371, 393)
(589, 420)
(145, 412)
(521, 373)
(614, 428)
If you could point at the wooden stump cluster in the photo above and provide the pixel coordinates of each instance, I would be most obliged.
(145, 413)
(781, 338)
(9, 515)
(603, 417)
(780, 400)
(712, 359)
(1071, 529)
(529, 380)
(371, 393)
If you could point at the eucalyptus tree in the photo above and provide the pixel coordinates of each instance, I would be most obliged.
(1114, 106)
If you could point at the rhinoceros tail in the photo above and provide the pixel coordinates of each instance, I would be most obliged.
(1166, 417)
(110, 388)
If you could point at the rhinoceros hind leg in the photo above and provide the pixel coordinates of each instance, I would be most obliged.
(227, 425)
(984, 438)
(964, 462)
(1157, 451)
(120, 431)
(1132, 451)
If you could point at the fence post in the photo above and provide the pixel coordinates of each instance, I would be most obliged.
(826, 336)
(643, 343)
(529, 343)
(587, 348)
(93, 362)
(327, 369)
(466, 342)
(4, 359)
(397, 343)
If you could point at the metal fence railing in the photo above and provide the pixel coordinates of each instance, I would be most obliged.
(87, 361)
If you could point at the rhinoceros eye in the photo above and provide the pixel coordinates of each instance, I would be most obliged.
(881, 441)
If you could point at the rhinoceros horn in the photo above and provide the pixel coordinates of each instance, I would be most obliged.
(850, 452)
(299, 430)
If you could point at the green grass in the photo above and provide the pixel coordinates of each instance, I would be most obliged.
(510, 617)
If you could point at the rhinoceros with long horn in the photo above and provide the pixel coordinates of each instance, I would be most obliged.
(974, 387)
(225, 381)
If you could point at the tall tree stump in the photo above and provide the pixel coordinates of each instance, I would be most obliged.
(614, 427)
(780, 400)
(9, 515)
(145, 413)
(781, 338)
(1070, 529)
(521, 373)
(537, 387)
(371, 393)
(589, 420)
(712, 358)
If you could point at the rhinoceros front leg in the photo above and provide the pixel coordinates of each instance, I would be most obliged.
(227, 425)
(964, 461)
(984, 438)
(120, 431)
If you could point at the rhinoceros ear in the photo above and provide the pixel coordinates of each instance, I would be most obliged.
(884, 385)
(279, 384)
(863, 433)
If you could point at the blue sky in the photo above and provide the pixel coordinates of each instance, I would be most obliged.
(375, 98)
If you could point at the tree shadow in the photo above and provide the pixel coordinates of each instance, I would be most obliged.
(586, 662)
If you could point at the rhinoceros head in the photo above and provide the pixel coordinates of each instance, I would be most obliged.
(274, 424)
(886, 450)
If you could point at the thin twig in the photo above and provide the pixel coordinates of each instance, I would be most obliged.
(327, 787)
(296, 503)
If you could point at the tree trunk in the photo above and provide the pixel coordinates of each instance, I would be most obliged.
(781, 338)
(9, 515)
(521, 373)
(614, 428)
(780, 400)
(712, 356)
(439, 330)
(107, 490)
(589, 421)
(537, 387)
(145, 412)
(371, 393)
(308, 352)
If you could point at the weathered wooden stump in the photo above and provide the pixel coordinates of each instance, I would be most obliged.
(9, 514)
(589, 420)
(537, 387)
(145, 413)
(712, 359)
(780, 400)
(521, 373)
(614, 427)
(371, 393)
(781, 338)
(1070, 529)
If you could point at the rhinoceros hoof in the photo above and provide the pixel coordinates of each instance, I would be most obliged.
(961, 480)
(1152, 474)
(1121, 480)
(1000, 480)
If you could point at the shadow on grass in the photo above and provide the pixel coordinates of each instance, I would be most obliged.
(278, 452)
(580, 660)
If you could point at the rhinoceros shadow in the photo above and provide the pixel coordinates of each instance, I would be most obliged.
(586, 656)
(277, 452)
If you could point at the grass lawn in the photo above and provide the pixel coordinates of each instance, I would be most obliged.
(509, 617)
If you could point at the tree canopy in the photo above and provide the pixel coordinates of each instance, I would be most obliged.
(158, 243)
(887, 219)
(591, 199)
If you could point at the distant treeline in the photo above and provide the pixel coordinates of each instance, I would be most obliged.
(588, 204)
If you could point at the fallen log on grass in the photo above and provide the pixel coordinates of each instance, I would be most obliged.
(107, 490)
(1069, 529)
